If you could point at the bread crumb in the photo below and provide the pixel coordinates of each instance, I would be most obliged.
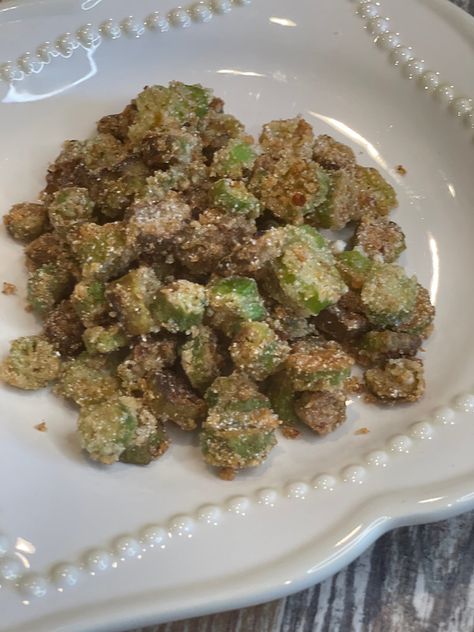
(28, 309)
(226, 474)
(41, 427)
(8, 288)
(401, 170)
(289, 432)
(362, 431)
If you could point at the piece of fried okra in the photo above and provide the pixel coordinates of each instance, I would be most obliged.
(26, 221)
(400, 380)
(121, 428)
(239, 431)
(32, 363)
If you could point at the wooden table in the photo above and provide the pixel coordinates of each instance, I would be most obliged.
(418, 579)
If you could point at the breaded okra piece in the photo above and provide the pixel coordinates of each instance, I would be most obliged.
(290, 187)
(201, 358)
(103, 251)
(376, 347)
(121, 428)
(288, 135)
(305, 272)
(345, 321)
(49, 248)
(47, 286)
(321, 411)
(131, 297)
(379, 239)
(375, 196)
(162, 147)
(88, 299)
(257, 351)
(233, 197)
(239, 431)
(282, 398)
(170, 398)
(388, 295)
(204, 242)
(87, 380)
(398, 381)
(233, 301)
(173, 106)
(31, 363)
(70, 207)
(63, 329)
(26, 221)
(337, 209)
(354, 267)
(235, 159)
(179, 305)
(105, 339)
(420, 322)
(333, 155)
(146, 358)
(153, 224)
(318, 365)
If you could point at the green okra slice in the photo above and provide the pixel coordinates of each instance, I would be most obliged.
(179, 305)
(104, 339)
(47, 286)
(26, 221)
(88, 299)
(234, 197)
(87, 380)
(234, 159)
(354, 267)
(70, 207)
(257, 351)
(239, 431)
(121, 428)
(131, 297)
(317, 365)
(201, 358)
(389, 295)
(32, 363)
(233, 301)
(306, 271)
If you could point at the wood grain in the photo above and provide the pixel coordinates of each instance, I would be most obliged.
(416, 579)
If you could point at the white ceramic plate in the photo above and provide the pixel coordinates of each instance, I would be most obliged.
(89, 548)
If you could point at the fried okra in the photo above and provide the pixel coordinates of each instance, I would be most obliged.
(63, 329)
(400, 380)
(376, 347)
(26, 221)
(70, 207)
(257, 351)
(170, 398)
(389, 295)
(183, 275)
(87, 380)
(290, 187)
(239, 431)
(318, 365)
(147, 358)
(121, 428)
(47, 286)
(179, 306)
(201, 358)
(233, 301)
(379, 239)
(131, 297)
(322, 411)
(305, 273)
(32, 363)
